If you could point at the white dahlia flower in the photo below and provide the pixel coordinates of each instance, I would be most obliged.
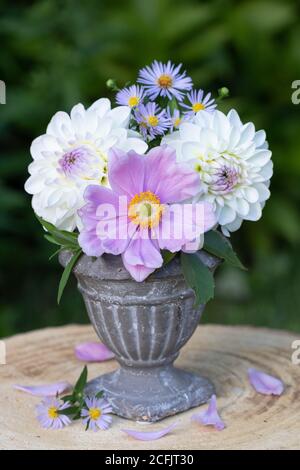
(73, 154)
(233, 162)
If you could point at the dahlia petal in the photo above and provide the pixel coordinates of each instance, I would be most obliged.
(136, 144)
(93, 352)
(120, 116)
(260, 157)
(251, 194)
(242, 207)
(265, 383)
(267, 171)
(227, 215)
(232, 227)
(101, 106)
(255, 212)
(221, 125)
(189, 131)
(34, 184)
(263, 192)
(234, 118)
(45, 390)
(247, 134)
(259, 138)
(210, 416)
(149, 436)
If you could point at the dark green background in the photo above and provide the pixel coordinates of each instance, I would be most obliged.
(54, 54)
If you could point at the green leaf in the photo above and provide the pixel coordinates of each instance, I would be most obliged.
(99, 394)
(50, 239)
(81, 382)
(168, 256)
(69, 398)
(72, 410)
(60, 237)
(173, 104)
(198, 277)
(55, 253)
(66, 274)
(218, 245)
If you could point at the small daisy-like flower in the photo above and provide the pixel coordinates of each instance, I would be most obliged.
(131, 96)
(96, 415)
(175, 118)
(199, 102)
(164, 80)
(48, 413)
(152, 120)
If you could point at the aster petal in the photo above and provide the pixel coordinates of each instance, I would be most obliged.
(210, 417)
(265, 383)
(93, 352)
(151, 435)
(45, 390)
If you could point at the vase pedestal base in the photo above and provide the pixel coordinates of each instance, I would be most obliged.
(151, 394)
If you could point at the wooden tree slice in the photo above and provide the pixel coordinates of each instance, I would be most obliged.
(221, 353)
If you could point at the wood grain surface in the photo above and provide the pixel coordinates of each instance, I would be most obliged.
(221, 353)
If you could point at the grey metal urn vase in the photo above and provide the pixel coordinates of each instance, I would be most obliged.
(145, 325)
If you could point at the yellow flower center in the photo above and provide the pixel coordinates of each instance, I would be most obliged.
(153, 121)
(52, 412)
(198, 107)
(177, 122)
(165, 81)
(145, 210)
(133, 101)
(94, 413)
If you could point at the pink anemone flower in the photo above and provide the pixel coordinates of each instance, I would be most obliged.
(143, 212)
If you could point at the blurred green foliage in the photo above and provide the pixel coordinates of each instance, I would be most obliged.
(56, 53)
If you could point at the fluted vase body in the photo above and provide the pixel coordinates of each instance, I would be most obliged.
(145, 325)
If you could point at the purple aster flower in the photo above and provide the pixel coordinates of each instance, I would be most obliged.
(199, 102)
(164, 80)
(131, 96)
(175, 118)
(144, 216)
(48, 413)
(96, 415)
(152, 120)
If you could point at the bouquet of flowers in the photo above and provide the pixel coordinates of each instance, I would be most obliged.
(162, 173)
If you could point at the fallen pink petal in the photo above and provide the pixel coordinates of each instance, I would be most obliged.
(49, 390)
(150, 435)
(93, 352)
(265, 383)
(210, 416)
